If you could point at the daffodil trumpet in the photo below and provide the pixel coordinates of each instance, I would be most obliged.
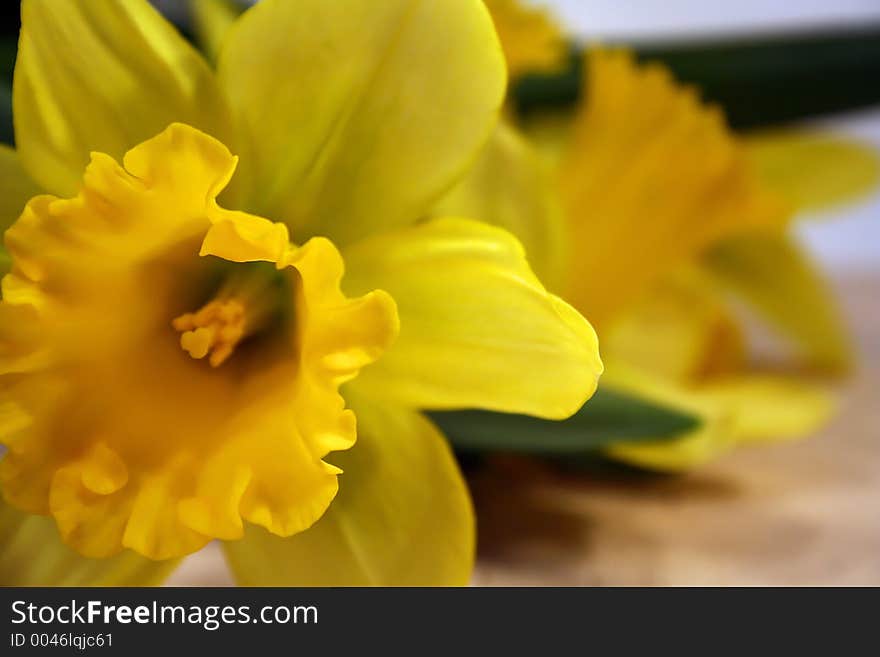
(137, 421)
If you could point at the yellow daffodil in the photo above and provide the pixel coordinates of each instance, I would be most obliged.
(644, 211)
(188, 336)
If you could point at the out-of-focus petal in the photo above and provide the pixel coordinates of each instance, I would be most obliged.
(16, 188)
(735, 411)
(814, 171)
(32, 554)
(773, 275)
(772, 407)
(679, 330)
(509, 186)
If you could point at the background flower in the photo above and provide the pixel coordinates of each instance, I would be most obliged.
(657, 212)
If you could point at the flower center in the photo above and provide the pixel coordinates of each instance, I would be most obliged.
(247, 302)
(216, 329)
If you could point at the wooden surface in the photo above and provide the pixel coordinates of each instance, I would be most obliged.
(794, 513)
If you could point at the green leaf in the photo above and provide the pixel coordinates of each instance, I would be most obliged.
(758, 81)
(6, 132)
(609, 417)
(8, 48)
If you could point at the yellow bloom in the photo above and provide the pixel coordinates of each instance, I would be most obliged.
(663, 210)
(170, 369)
(124, 438)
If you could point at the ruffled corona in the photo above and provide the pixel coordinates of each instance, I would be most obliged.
(169, 368)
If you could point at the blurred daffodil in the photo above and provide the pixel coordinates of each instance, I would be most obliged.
(685, 204)
(171, 368)
(646, 212)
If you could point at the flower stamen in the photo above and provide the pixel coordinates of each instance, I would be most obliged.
(249, 300)
(215, 329)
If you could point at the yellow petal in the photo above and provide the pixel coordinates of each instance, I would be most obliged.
(768, 408)
(103, 76)
(32, 554)
(772, 274)
(531, 39)
(677, 455)
(509, 186)
(679, 330)
(388, 102)
(16, 187)
(652, 176)
(211, 21)
(477, 328)
(402, 516)
(741, 410)
(814, 171)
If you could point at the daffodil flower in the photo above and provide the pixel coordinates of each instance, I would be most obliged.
(188, 337)
(644, 210)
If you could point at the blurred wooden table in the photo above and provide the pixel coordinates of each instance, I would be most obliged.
(791, 513)
(796, 513)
